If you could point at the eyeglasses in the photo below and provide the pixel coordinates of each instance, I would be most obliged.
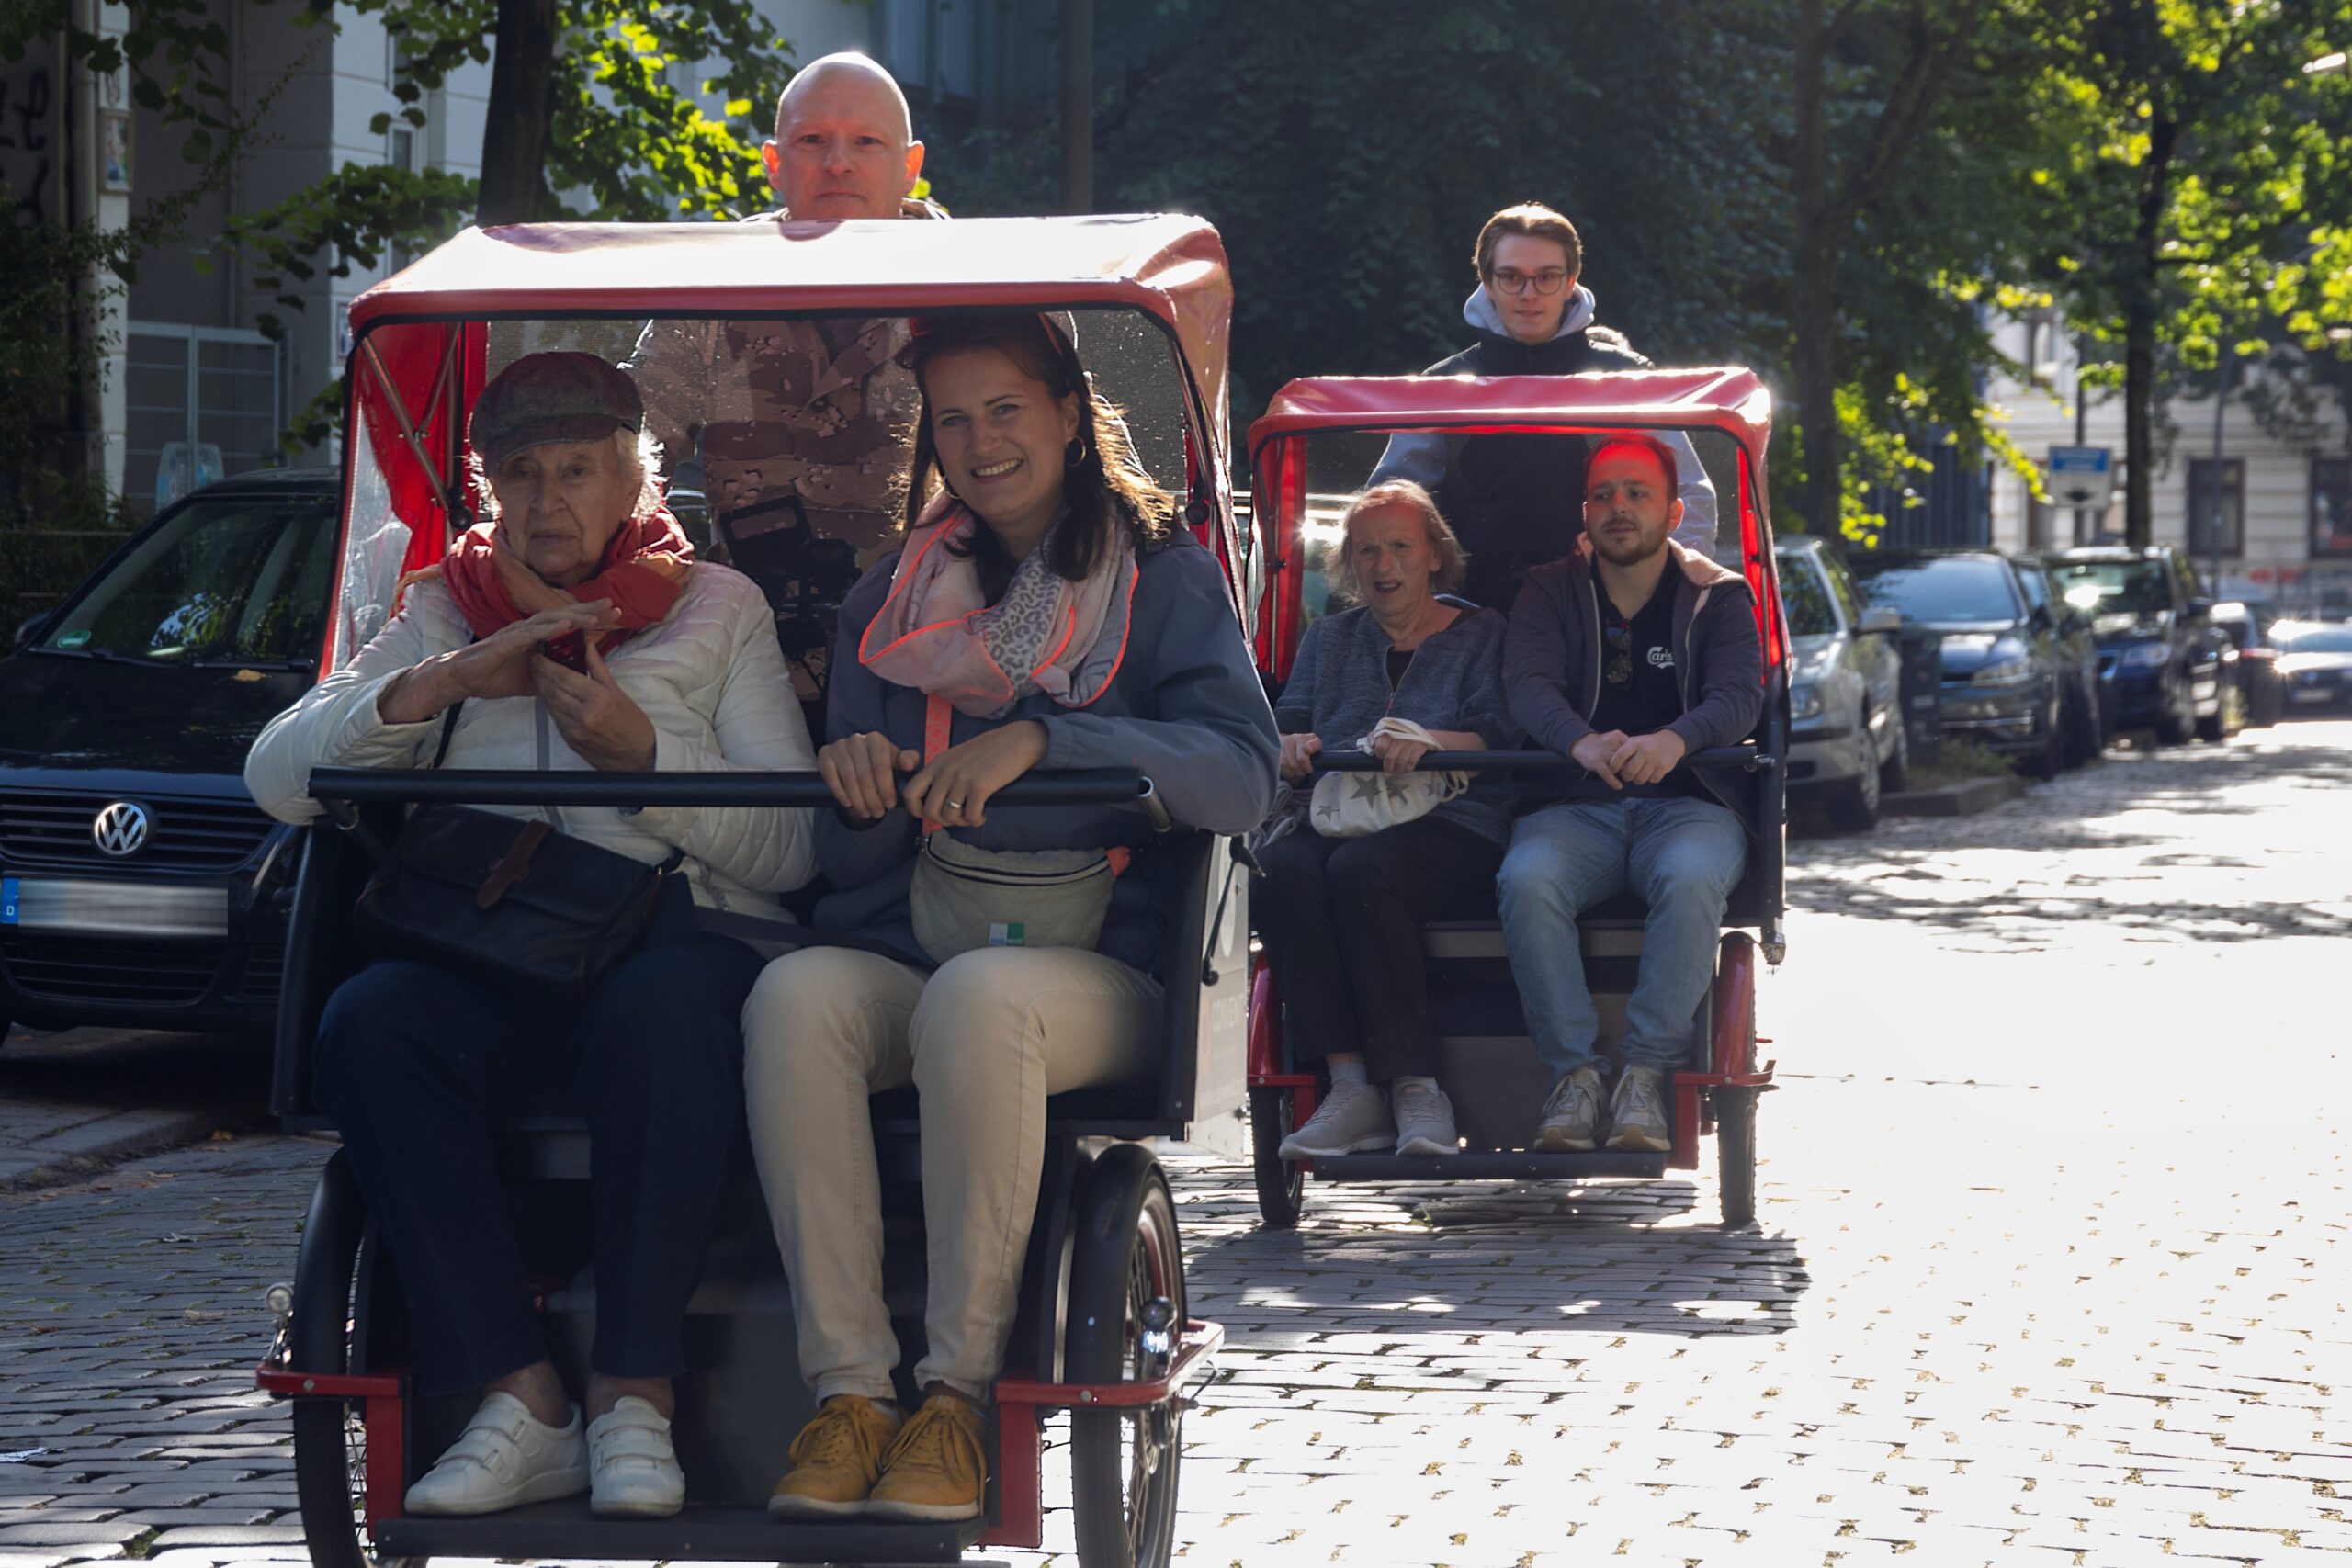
(1511, 280)
(1620, 669)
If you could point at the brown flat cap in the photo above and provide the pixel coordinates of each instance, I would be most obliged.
(552, 397)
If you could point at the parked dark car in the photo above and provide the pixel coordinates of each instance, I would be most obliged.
(1846, 744)
(2004, 668)
(2248, 624)
(2158, 647)
(2315, 666)
(140, 885)
(2089, 715)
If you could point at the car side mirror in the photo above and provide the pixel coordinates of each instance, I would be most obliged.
(1878, 620)
(26, 630)
(2201, 606)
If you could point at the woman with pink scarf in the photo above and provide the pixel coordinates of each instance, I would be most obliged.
(1043, 613)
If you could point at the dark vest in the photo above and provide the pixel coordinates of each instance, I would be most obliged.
(1518, 500)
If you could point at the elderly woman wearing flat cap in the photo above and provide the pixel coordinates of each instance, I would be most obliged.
(572, 630)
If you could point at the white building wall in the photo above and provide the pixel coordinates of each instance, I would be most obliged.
(2276, 560)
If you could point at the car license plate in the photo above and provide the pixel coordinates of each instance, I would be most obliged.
(2311, 694)
(114, 908)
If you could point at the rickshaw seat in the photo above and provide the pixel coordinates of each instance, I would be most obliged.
(1612, 929)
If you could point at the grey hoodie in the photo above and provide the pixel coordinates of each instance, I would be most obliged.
(1423, 458)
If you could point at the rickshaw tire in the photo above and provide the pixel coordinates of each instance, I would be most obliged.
(1735, 1152)
(319, 1338)
(1127, 1251)
(1281, 1184)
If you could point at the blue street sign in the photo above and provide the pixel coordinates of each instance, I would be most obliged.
(2082, 476)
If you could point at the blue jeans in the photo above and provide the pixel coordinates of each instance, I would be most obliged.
(1682, 856)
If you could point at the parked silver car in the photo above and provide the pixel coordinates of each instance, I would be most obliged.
(1845, 740)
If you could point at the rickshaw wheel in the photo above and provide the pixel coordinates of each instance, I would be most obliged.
(1735, 1152)
(330, 1443)
(1734, 1106)
(1123, 1463)
(1281, 1184)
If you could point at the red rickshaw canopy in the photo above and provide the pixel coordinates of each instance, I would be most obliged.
(417, 333)
(1728, 398)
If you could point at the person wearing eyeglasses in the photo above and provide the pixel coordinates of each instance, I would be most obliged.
(1514, 499)
(1627, 659)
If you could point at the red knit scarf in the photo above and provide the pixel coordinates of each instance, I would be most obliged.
(641, 573)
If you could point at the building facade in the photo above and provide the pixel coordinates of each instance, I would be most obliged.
(2262, 518)
(193, 388)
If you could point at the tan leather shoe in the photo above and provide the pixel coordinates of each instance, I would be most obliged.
(835, 1459)
(938, 1468)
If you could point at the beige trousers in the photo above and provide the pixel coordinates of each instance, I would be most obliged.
(984, 1040)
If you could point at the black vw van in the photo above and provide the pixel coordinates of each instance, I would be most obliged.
(140, 885)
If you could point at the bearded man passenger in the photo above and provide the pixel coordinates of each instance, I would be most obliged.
(1627, 658)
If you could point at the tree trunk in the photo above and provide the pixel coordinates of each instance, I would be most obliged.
(2143, 301)
(1077, 105)
(514, 126)
(1814, 262)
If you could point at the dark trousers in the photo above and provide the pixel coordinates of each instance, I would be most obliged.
(1340, 920)
(414, 1064)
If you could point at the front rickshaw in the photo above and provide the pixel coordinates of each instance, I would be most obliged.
(1105, 1344)
(1318, 444)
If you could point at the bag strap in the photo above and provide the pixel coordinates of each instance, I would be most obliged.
(448, 729)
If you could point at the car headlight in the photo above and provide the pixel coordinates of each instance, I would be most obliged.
(2146, 655)
(2008, 665)
(1805, 701)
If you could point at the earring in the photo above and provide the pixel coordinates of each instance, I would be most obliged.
(1074, 454)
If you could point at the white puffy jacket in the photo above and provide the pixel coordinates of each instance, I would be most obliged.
(709, 675)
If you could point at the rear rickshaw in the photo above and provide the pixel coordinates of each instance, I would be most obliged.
(1104, 1345)
(1316, 444)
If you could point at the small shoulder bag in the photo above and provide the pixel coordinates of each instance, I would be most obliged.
(508, 901)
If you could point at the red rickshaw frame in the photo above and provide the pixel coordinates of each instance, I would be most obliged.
(1730, 400)
(417, 364)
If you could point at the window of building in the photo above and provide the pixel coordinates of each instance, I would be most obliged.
(2217, 521)
(2332, 508)
(203, 403)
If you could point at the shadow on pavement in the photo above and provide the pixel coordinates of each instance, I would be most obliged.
(1493, 1258)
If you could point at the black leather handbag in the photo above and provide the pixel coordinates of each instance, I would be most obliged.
(508, 901)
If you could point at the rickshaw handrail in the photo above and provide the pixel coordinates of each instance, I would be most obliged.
(518, 787)
(1748, 757)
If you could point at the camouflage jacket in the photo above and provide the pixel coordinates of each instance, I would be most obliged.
(792, 418)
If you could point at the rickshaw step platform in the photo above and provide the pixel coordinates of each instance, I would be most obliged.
(1488, 1165)
(700, 1534)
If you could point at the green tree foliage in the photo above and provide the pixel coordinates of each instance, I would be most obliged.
(624, 140)
(2205, 180)
(1350, 154)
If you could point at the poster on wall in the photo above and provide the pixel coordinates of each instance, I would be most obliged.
(114, 151)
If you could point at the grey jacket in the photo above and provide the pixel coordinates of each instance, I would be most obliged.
(1186, 710)
(1338, 689)
(1552, 662)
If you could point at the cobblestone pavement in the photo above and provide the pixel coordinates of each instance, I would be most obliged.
(2050, 1269)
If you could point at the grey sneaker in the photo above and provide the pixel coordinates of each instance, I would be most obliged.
(1424, 1119)
(1352, 1119)
(1637, 1111)
(1572, 1115)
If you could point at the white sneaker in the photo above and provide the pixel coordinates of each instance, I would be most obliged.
(505, 1458)
(1571, 1114)
(1352, 1119)
(1424, 1119)
(633, 1467)
(1638, 1111)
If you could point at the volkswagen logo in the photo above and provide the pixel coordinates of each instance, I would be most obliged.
(120, 829)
